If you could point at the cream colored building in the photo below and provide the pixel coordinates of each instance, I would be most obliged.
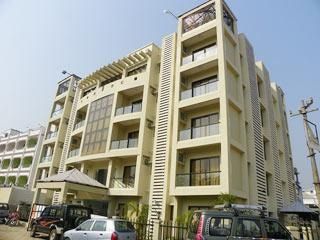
(175, 127)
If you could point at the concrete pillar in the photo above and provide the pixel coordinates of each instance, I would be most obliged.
(36, 195)
(63, 195)
(156, 229)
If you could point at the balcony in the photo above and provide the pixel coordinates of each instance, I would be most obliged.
(200, 54)
(198, 179)
(200, 90)
(74, 152)
(129, 109)
(57, 112)
(197, 132)
(46, 159)
(52, 134)
(79, 124)
(199, 18)
(126, 143)
(122, 182)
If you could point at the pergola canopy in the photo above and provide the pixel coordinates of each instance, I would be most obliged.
(297, 208)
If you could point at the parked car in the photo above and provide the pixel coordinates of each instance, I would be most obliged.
(4, 211)
(234, 223)
(56, 219)
(102, 228)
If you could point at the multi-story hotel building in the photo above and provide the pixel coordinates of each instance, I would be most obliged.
(19, 153)
(173, 127)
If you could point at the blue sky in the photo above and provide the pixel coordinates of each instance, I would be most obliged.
(40, 38)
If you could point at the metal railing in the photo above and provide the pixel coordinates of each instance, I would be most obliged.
(129, 109)
(52, 134)
(74, 152)
(200, 90)
(57, 112)
(197, 132)
(204, 53)
(78, 124)
(171, 231)
(127, 182)
(46, 159)
(126, 143)
(198, 179)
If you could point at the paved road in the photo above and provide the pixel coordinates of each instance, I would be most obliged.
(15, 233)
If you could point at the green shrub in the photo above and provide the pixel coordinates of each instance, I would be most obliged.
(27, 161)
(2, 179)
(32, 142)
(22, 181)
(16, 162)
(11, 179)
(5, 163)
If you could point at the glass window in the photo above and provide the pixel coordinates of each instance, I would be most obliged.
(275, 230)
(248, 228)
(52, 212)
(98, 126)
(45, 212)
(99, 226)
(129, 173)
(86, 225)
(220, 226)
(205, 171)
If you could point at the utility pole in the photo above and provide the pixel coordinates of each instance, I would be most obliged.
(305, 104)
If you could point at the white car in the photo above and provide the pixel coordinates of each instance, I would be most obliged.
(102, 228)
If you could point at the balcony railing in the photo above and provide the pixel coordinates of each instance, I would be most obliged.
(126, 143)
(197, 132)
(52, 134)
(204, 53)
(129, 109)
(46, 159)
(74, 152)
(79, 124)
(57, 112)
(200, 90)
(198, 179)
(122, 182)
(199, 18)
(62, 89)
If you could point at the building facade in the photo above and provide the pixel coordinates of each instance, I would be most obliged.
(18, 156)
(176, 126)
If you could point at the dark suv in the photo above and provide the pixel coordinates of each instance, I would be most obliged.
(56, 219)
(235, 223)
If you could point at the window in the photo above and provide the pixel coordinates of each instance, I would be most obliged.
(129, 173)
(132, 139)
(220, 226)
(204, 86)
(45, 212)
(52, 212)
(63, 87)
(136, 106)
(275, 230)
(86, 225)
(205, 171)
(95, 139)
(248, 228)
(99, 226)
(101, 175)
(203, 126)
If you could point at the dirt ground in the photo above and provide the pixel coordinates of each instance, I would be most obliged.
(16, 233)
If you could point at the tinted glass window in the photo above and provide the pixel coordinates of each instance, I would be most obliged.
(220, 226)
(86, 225)
(248, 228)
(78, 212)
(45, 212)
(99, 226)
(52, 212)
(194, 223)
(275, 230)
(123, 226)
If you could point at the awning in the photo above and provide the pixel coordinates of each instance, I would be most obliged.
(73, 176)
(297, 208)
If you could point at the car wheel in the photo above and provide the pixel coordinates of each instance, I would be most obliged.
(33, 231)
(53, 234)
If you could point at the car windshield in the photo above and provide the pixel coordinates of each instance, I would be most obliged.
(123, 226)
(4, 206)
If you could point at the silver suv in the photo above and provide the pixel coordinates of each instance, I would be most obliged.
(235, 222)
(102, 228)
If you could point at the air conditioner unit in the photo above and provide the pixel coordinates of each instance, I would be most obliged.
(150, 124)
(154, 91)
(147, 160)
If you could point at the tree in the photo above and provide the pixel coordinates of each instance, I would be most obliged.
(225, 198)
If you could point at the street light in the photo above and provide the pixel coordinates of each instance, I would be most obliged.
(170, 13)
(65, 72)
